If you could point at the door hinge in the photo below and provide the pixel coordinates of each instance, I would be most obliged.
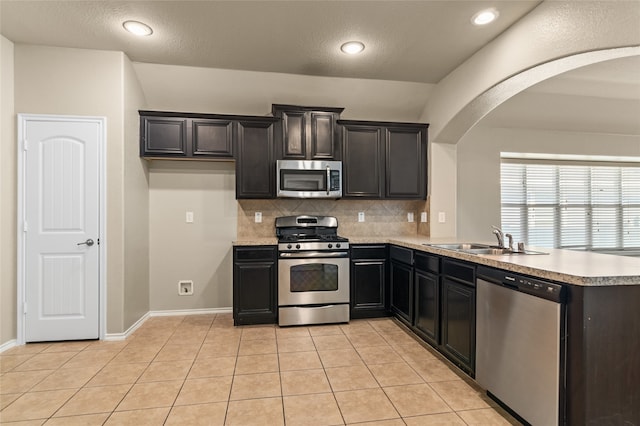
(25, 145)
(24, 308)
(25, 227)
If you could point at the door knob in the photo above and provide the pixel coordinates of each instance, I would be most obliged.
(89, 242)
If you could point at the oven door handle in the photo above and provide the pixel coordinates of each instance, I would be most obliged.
(314, 254)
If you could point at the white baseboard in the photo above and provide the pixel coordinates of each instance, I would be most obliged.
(128, 332)
(190, 312)
(8, 345)
(137, 324)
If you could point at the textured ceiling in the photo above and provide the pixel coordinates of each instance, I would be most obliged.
(419, 41)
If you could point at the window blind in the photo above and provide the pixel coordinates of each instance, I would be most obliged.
(577, 206)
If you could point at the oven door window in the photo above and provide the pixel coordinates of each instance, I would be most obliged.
(303, 180)
(313, 277)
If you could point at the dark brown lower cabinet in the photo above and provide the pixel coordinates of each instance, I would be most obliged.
(427, 306)
(401, 283)
(369, 292)
(426, 317)
(255, 285)
(459, 323)
(603, 355)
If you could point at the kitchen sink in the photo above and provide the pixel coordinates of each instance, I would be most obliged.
(476, 248)
(461, 246)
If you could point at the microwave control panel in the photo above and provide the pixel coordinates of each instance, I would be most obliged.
(335, 183)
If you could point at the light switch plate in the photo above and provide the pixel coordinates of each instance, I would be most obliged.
(360, 216)
(258, 217)
(410, 217)
(441, 217)
(189, 217)
(423, 217)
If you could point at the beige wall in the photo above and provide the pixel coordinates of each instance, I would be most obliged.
(383, 218)
(553, 30)
(136, 203)
(478, 198)
(8, 200)
(192, 89)
(200, 251)
(503, 68)
(63, 81)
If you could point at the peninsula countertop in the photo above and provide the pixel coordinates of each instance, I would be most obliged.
(566, 266)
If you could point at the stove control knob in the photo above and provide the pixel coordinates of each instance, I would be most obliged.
(338, 245)
(330, 245)
(289, 246)
(297, 246)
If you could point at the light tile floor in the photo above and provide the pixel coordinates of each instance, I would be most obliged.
(201, 370)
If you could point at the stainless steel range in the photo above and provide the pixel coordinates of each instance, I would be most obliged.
(313, 271)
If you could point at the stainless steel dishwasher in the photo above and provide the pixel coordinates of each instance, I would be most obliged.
(520, 344)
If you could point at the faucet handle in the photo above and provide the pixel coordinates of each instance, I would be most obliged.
(496, 228)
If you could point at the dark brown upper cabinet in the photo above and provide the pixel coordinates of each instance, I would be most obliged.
(186, 135)
(405, 161)
(163, 136)
(307, 133)
(362, 161)
(255, 163)
(384, 160)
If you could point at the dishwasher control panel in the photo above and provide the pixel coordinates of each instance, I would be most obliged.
(533, 286)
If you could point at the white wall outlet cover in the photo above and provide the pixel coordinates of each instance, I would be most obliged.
(185, 287)
(189, 217)
(360, 216)
(442, 218)
(258, 217)
(410, 217)
(423, 217)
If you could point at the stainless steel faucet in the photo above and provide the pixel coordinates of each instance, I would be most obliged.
(510, 237)
(499, 235)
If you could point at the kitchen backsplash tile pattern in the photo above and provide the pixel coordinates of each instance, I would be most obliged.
(382, 217)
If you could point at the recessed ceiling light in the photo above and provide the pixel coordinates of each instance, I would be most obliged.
(137, 28)
(485, 17)
(352, 47)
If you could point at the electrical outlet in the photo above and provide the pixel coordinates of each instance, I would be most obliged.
(189, 217)
(410, 217)
(258, 217)
(423, 217)
(360, 216)
(185, 287)
(441, 217)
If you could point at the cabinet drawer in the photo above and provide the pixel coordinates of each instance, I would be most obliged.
(462, 272)
(368, 252)
(401, 254)
(425, 262)
(250, 254)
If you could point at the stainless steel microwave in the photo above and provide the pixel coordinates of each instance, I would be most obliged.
(309, 179)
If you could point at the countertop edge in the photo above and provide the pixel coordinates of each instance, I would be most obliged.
(504, 262)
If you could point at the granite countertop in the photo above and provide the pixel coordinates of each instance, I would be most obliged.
(257, 241)
(567, 266)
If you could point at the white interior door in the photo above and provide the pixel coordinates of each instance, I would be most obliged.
(61, 196)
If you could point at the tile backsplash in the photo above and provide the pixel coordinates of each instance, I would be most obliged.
(382, 217)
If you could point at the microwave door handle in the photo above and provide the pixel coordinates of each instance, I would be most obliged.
(328, 180)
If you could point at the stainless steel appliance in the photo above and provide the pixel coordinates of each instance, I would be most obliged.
(313, 271)
(309, 179)
(520, 344)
